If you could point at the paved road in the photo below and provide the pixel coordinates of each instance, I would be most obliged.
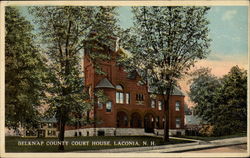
(228, 149)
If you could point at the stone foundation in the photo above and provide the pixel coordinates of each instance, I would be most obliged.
(119, 132)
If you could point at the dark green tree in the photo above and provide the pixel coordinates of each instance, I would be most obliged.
(221, 102)
(165, 42)
(25, 72)
(232, 110)
(66, 31)
(204, 92)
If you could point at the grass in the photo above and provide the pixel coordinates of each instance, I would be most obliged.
(206, 138)
(11, 143)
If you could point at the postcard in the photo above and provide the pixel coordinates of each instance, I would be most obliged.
(124, 78)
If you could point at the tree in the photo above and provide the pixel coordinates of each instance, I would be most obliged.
(25, 72)
(232, 110)
(204, 92)
(66, 31)
(221, 102)
(165, 42)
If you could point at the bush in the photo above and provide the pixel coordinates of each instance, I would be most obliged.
(207, 130)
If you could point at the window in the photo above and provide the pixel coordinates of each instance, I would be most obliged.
(177, 106)
(139, 97)
(49, 125)
(41, 125)
(27, 133)
(119, 88)
(127, 98)
(119, 97)
(177, 122)
(159, 105)
(152, 103)
(108, 106)
(100, 105)
(51, 133)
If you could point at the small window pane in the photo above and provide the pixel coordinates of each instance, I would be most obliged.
(159, 105)
(152, 103)
(127, 98)
(139, 97)
(117, 97)
(121, 98)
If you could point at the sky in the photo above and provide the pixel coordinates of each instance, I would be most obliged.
(228, 31)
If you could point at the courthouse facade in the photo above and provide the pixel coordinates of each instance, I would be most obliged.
(131, 109)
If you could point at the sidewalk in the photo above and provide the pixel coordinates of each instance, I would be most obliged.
(197, 145)
(203, 145)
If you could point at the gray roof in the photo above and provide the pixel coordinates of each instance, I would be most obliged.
(192, 120)
(49, 120)
(176, 91)
(104, 83)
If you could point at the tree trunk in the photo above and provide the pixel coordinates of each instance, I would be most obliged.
(61, 134)
(166, 123)
(166, 98)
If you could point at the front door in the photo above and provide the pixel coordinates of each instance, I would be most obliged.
(148, 124)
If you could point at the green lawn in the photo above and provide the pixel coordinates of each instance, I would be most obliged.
(206, 138)
(11, 144)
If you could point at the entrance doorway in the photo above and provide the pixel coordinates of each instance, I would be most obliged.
(149, 123)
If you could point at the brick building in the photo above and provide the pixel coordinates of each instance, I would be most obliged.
(132, 109)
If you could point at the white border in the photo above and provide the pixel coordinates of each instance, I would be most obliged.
(108, 3)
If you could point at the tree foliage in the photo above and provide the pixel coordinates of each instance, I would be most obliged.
(165, 42)
(66, 31)
(204, 90)
(222, 102)
(232, 110)
(25, 72)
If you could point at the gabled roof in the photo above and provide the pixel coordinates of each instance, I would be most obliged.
(104, 83)
(176, 91)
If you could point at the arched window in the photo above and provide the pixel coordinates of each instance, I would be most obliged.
(119, 94)
(119, 88)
